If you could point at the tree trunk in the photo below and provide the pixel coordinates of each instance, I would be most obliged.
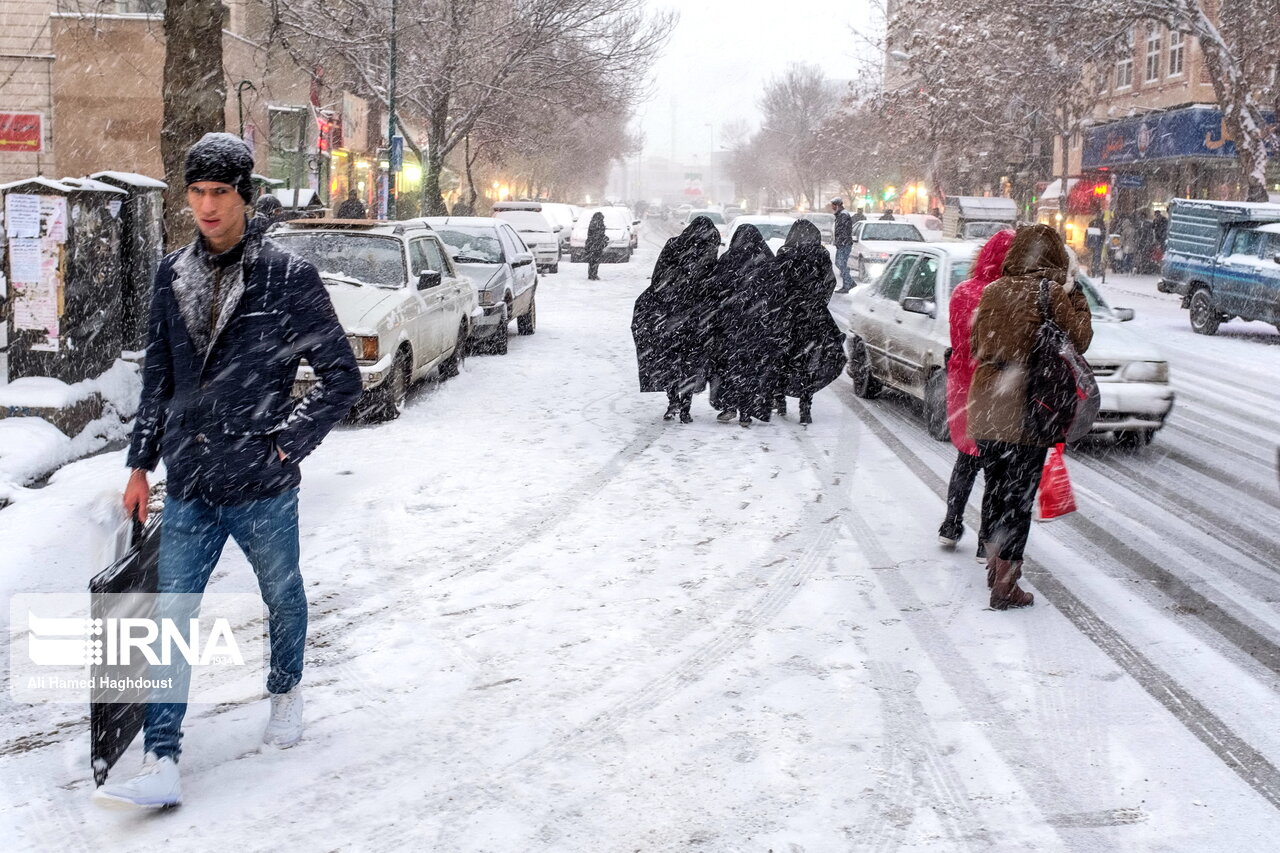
(195, 98)
(431, 195)
(1241, 116)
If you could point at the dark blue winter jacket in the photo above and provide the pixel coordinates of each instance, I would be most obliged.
(216, 416)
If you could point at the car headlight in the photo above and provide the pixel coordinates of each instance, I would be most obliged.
(364, 346)
(485, 298)
(1145, 371)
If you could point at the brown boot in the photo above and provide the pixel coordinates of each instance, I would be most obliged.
(1005, 592)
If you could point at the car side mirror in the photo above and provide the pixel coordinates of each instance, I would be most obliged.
(428, 279)
(1123, 314)
(918, 305)
(558, 228)
(522, 258)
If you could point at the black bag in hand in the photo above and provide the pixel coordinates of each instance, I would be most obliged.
(114, 725)
(1062, 395)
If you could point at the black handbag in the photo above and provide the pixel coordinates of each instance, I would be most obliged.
(1062, 395)
(113, 720)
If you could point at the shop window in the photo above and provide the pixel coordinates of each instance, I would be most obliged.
(1155, 41)
(1177, 53)
(1124, 64)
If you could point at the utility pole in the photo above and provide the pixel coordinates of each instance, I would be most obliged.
(391, 122)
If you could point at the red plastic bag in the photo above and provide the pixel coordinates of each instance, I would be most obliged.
(1056, 498)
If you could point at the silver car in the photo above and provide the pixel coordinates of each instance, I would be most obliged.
(900, 336)
(501, 268)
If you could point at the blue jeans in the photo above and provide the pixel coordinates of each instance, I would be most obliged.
(842, 264)
(192, 535)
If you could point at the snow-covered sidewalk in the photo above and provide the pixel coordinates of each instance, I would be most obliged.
(543, 619)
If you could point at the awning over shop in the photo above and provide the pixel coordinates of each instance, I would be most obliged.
(1195, 132)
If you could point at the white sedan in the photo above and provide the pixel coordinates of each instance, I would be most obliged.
(899, 336)
(874, 243)
(406, 310)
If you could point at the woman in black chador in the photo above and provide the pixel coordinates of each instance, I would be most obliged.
(597, 242)
(814, 348)
(672, 318)
(746, 344)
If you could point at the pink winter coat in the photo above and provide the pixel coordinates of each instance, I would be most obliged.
(964, 305)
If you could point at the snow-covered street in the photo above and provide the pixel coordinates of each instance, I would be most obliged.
(544, 619)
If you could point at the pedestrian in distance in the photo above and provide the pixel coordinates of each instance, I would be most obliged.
(960, 367)
(1095, 239)
(1160, 229)
(232, 315)
(270, 209)
(858, 216)
(673, 317)
(597, 241)
(352, 208)
(746, 283)
(813, 345)
(1004, 331)
(887, 216)
(844, 243)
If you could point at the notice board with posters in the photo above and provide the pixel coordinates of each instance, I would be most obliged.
(36, 231)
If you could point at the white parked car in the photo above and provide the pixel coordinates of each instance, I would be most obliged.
(538, 232)
(773, 229)
(406, 310)
(500, 267)
(617, 226)
(716, 217)
(874, 243)
(899, 336)
(564, 216)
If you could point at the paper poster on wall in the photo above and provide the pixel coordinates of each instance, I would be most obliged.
(113, 207)
(53, 213)
(22, 215)
(35, 307)
(24, 259)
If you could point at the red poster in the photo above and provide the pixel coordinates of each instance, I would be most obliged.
(22, 132)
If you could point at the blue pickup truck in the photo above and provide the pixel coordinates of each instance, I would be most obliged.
(1223, 259)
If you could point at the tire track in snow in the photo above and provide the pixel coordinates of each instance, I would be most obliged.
(1250, 765)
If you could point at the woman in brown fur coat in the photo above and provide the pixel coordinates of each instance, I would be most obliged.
(1003, 331)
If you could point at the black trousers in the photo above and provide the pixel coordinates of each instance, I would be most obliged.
(1012, 473)
(963, 473)
(593, 270)
(684, 401)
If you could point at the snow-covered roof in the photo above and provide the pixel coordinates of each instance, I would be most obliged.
(48, 183)
(133, 179)
(306, 197)
(1054, 190)
(92, 186)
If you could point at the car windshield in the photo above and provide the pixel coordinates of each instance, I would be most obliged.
(1097, 306)
(894, 231)
(769, 230)
(473, 245)
(822, 220)
(983, 230)
(525, 221)
(352, 257)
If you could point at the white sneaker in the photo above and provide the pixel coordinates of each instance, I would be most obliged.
(157, 785)
(284, 729)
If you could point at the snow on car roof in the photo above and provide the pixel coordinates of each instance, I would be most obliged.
(955, 250)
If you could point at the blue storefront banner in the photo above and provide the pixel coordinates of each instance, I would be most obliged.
(1188, 132)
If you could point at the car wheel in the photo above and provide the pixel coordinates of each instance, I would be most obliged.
(452, 365)
(865, 385)
(1134, 439)
(1205, 318)
(528, 324)
(554, 268)
(498, 340)
(935, 405)
(387, 401)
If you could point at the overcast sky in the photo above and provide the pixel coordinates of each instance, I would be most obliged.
(723, 51)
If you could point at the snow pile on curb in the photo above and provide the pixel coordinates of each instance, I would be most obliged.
(31, 448)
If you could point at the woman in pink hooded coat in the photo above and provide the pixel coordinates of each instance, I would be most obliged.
(960, 367)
